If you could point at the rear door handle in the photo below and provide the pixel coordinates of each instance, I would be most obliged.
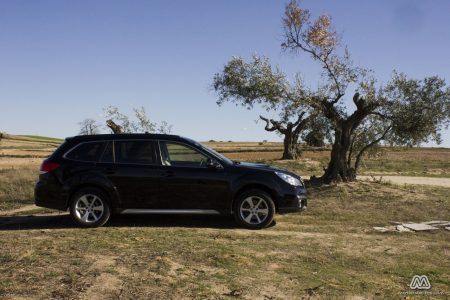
(109, 171)
(168, 174)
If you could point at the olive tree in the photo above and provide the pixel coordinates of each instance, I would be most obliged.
(257, 83)
(397, 105)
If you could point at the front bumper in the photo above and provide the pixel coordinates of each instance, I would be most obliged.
(293, 202)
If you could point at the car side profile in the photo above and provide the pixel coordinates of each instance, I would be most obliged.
(99, 175)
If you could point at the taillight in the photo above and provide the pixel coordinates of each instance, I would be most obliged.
(48, 166)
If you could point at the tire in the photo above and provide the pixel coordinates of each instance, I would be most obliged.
(254, 209)
(89, 207)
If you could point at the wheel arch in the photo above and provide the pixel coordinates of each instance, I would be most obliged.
(258, 186)
(111, 197)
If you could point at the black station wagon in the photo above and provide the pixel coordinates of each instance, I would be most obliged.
(96, 176)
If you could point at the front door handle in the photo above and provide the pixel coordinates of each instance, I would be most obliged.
(168, 174)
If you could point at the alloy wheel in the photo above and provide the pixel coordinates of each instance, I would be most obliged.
(89, 208)
(254, 210)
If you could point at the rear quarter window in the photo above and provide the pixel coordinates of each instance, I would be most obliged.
(90, 151)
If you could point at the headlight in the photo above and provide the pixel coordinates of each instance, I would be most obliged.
(289, 179)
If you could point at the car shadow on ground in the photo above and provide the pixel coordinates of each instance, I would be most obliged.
(63, 221)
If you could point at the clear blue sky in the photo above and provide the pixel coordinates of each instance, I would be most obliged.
(63, 61)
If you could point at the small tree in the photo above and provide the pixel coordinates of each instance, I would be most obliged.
(120, 123)
(290, 131)
(318, 131)
(89, 127)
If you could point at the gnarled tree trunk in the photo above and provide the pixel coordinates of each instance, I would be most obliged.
(117, 129)
(291, 132)
(338, 168)
(290, 147)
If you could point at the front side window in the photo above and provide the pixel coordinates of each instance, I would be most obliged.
(135, 152)
(177, 155)
(89, 151)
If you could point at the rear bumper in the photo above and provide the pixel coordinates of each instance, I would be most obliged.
(49, 196)
(293, 202)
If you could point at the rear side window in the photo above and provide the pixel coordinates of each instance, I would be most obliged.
(90, 151)
(135, 152)
(108, 154)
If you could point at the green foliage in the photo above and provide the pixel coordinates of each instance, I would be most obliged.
(318, 132)
(418, 109)
(257, 82)
(314, 139)
(251, 83)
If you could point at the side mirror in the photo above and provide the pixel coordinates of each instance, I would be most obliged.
(213, 164)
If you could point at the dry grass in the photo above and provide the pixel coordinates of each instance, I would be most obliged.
(20, 158)
(16, 187)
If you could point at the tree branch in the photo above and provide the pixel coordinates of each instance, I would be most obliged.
(361, 152)
(300, 117)
(275, 125)
(324, 60)
(302, 123)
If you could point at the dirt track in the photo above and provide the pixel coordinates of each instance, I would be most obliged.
(445, 182)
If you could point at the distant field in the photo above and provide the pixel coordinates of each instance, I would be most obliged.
(40, 138)
(391, 161)
(435, 162)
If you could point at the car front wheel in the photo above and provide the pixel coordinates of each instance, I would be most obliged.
(90, 207)
(254, 209)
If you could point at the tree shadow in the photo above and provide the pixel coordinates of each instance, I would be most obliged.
(64, 221)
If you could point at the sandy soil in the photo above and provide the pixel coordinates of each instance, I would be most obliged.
(18, 210)
(445, 182)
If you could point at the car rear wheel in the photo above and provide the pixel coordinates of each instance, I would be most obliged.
(254, 209)
(90, 207)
